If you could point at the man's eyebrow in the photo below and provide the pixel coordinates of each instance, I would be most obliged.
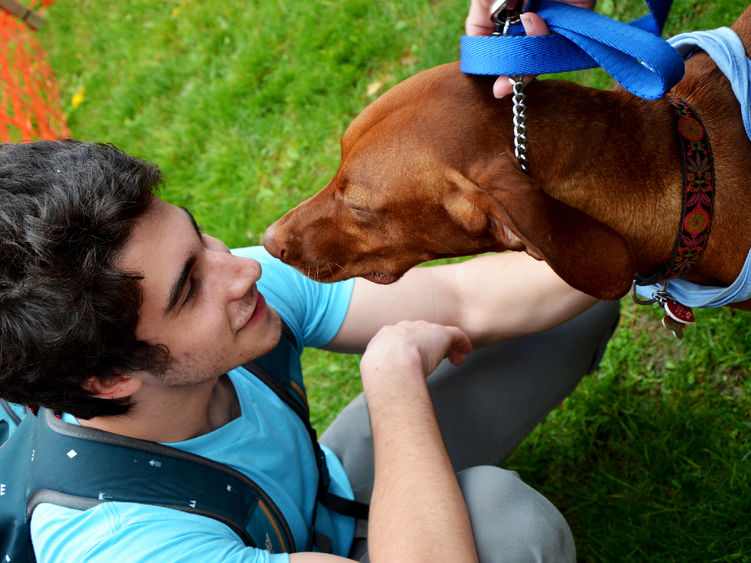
(177, 287)
(199, 232)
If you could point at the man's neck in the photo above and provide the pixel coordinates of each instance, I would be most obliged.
(174, 414)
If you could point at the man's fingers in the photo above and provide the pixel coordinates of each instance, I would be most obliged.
(533, 25)
(402, 343)
(478, 20)
(456, 354)
(502, 87)
(459, 346)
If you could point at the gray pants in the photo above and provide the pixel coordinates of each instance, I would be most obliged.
(485, 408)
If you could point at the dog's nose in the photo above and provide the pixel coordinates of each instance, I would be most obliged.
(269, 242)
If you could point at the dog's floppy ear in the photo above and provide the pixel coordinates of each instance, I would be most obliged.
(475, 211)
(460, 204)
(587, 254)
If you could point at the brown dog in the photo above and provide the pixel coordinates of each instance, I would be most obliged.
(428, 171)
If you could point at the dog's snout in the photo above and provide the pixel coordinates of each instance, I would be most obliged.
(271, 244)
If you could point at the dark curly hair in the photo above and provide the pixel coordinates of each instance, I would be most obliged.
(66, 314)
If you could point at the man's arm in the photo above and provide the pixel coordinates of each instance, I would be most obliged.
(491, 298)
(417, 511)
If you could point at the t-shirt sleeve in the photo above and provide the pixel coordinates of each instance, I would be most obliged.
(125, 532)
(314, 311)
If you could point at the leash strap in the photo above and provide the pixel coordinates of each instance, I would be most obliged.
(633, 54)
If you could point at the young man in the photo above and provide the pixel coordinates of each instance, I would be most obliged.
(116, 310)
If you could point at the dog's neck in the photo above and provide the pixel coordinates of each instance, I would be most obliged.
(602, 162)
(631, 169)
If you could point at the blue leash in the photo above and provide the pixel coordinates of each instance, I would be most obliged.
(633, 54)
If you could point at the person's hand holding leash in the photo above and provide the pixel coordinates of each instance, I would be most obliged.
(478, 23)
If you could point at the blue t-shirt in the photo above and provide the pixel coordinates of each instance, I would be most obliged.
(268, 443)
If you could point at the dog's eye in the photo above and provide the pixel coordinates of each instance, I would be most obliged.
(358, 210)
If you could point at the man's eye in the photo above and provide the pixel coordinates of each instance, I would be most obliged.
(192, 289)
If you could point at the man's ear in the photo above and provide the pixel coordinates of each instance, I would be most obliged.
(113, 387)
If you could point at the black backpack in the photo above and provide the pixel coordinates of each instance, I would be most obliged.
(48, 460)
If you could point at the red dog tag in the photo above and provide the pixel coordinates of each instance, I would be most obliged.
(679, 312)
(676, 327)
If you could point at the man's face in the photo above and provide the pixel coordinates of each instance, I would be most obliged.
(198, 299)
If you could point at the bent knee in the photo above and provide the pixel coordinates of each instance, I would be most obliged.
(512, 521)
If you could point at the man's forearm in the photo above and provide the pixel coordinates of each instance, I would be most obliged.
(508, 295)
(493, 298)
(417, 511)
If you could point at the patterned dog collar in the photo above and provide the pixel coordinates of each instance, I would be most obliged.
(698, 195)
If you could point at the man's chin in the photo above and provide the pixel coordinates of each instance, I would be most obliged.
(272, 334)
(275, 327)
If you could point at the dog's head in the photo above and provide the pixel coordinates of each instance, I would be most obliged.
(422, 177)
(358, 226)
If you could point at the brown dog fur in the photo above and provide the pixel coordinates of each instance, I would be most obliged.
(428, 171)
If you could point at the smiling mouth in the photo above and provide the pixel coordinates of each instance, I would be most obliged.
(258, 311)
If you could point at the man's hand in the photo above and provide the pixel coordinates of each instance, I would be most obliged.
(479, 23)
(412, 348)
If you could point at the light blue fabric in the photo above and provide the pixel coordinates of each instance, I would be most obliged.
(727, 51)
(268, 443)
(633, 54)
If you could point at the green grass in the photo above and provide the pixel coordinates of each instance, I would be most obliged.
(242, 105)
(648, 458)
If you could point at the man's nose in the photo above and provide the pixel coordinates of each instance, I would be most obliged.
(242, 273)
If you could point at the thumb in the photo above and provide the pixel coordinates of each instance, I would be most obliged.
(533, 25)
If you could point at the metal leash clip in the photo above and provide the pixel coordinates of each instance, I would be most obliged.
(503, 19)
(676, 315)
(639, 300)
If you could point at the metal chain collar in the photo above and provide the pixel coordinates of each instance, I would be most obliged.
(520, 121)
(503, 20)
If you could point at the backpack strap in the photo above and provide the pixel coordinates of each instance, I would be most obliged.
(10, 417)
(10, 413)
(81, 467)
(15, 459)
(275, 369)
